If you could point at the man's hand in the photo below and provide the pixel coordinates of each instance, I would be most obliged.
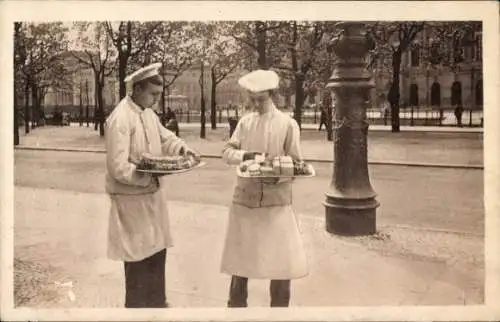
(185, 150)
(250, 155)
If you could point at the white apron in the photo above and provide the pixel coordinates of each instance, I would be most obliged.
(263, 239)
(138, 222)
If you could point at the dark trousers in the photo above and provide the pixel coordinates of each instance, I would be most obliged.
(145, 282)
(278, 289)
(321, 123)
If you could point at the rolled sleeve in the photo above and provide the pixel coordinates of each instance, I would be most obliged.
(118, 157)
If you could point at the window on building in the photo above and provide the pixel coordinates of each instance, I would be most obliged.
(435, 55)
(458, 51)
(456, 93)
(413, 95)
(436, 94)
(415, 56)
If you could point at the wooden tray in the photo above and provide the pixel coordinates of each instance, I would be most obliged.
(151, 171)
(248, 176)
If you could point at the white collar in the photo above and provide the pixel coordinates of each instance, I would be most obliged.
(134, 106)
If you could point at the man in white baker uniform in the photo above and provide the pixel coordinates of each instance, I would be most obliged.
(263, 238)
(138, 230)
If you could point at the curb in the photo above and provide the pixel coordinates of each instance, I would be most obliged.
(405, 129)
(473, 130)
(211, 156)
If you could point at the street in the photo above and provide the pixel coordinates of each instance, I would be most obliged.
(61, 206)
(449, 199)
(61, 220)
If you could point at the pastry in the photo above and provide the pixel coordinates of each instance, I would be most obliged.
(254, 169)
(166, 163)
(267, 170)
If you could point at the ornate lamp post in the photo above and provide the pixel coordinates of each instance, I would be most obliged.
(350, 201)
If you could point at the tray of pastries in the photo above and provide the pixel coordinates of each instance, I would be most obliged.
(168, 164)
(277, 167)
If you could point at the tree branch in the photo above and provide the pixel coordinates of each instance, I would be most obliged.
(244, 41)
(146, 39)
(109, 29)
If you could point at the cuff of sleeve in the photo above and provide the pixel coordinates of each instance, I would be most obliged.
(238, 155)
(175, 147)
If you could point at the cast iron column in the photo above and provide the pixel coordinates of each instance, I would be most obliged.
(350, 201)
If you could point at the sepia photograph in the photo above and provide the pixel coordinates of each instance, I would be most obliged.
(229, 163)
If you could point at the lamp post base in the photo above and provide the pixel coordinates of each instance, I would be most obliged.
(351, 220)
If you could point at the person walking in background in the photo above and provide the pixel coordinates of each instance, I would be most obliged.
(170, 115)
(172, 123)
(263, 238)
(322, 117)
(386, 110)
(139, 229)
(458, 114)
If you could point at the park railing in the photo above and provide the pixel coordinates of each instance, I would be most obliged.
(409, 116)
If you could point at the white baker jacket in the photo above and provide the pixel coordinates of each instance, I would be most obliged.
(263, 237)
(138, 222)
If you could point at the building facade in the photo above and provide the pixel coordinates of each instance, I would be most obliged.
(437, 87)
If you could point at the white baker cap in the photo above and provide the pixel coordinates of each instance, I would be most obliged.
(260, 80)
(143, 73)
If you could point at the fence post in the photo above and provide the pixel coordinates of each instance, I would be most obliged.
(411, 119)
(470, 117)
(188, 120)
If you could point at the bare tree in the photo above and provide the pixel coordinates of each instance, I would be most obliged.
(37, 46)
(392, 40)
(97, 54)
(129, 39)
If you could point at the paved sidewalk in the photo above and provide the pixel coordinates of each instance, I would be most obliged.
(418, 148)
(396, 267)
(372, 127)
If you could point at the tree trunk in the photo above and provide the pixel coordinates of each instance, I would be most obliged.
(81, 106)
(213, 102)
(16, 117)
(27, 107)
(329, 123)
(202, 102)
(327, 102)
(100, 103)
(162, 119)
(299, 99)
(122, 71)
(96, 103)
(260, 30)
(87, 102)
(394, 94)
(34, 106)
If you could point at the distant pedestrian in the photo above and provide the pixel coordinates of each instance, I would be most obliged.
(138, 228)
(386, 110)
(170, 115)
(458, 114)
(322, 118)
